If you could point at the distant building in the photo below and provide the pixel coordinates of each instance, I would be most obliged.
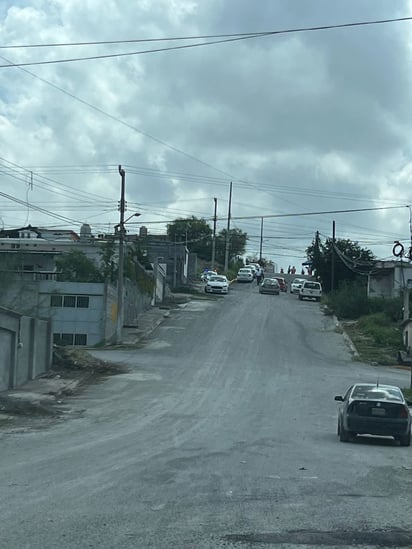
(389, 278)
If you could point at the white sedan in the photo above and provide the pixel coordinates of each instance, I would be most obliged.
(217, 284)
(296, 285)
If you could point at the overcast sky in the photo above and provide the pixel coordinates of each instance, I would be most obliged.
(301, 122)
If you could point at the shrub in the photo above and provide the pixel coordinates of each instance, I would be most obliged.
(350, 301)
(380, 328)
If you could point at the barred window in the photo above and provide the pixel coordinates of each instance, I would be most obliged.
(69, 301)
(56, 301)
(67, 339)
(82, 301)
(80, 339)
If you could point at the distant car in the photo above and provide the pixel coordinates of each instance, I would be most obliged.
(252, 267)
(296, 285)
(244, 275)
(269, 286)
(282, 283)
(206, 275)
(217, 284)
(310, 290)
(374, 410)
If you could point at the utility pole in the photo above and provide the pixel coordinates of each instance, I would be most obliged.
(214, 236)
(120, 276)
(228, 230)
(332, 270)
(261, 239)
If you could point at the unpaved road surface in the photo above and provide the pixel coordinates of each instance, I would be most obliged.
(222, 434)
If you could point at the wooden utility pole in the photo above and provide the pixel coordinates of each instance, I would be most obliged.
(214, 236)
(228, 230)
(261, 239)
(332, 270)
(120, 276)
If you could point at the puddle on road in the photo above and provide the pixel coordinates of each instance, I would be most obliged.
(141, 376)
(156, 345)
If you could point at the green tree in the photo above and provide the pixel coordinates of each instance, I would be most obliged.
(237, 245)
(196, 232)
(75, 266)
(109, 265)
(351, 261)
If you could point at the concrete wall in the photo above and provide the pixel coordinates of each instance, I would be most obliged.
(20, 296)
(25, 348)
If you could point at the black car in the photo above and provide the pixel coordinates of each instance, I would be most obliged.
(269, 286)
(374, 410)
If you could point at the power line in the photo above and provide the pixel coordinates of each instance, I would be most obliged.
(222, 38)
(126, 124)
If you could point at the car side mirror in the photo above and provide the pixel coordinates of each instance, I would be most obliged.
(339, 398)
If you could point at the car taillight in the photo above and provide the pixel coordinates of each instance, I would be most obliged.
(404, 412)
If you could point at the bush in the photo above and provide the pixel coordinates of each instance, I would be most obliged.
(380, 328)
(392, 307)
(350, 301)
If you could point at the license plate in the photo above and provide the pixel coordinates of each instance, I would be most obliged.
(378, 411)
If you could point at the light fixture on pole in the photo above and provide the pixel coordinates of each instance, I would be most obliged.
(120, 276)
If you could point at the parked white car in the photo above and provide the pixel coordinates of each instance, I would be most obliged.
(206, 275)
(244, 275)
(217, 284)
(310, 290)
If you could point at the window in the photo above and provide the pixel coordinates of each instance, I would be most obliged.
(70, 339)
(82, 302)
(69, 301)
(66, 339)
(56, 300)
(79, 301)
(80, 339)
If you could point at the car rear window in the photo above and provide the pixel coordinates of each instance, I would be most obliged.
(312, 285)
(377, 393)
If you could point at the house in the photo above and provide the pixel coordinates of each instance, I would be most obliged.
(389, 278)
(174, 256)
(82, 313)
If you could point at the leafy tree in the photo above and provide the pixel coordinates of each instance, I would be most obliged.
(237, 245)
(196, 232)
(75, 266)
(109, 265)
(255, 259)
(351, 261)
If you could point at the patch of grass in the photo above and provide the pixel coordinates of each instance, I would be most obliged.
(376, 339)
(407, 393)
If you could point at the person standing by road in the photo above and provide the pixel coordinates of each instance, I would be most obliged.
(259, 275)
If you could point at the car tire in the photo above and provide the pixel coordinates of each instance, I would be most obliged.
(405, 440)
(344, 435)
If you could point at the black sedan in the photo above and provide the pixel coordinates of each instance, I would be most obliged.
(374, 410)
(269, 286)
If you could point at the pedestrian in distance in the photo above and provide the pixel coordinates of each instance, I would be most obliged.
(259, 275)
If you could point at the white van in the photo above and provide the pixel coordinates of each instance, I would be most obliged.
(311, 290)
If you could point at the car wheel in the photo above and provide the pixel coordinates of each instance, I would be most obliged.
(405, 440)
(344, 435)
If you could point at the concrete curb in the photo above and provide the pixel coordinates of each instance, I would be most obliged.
(346, 337)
